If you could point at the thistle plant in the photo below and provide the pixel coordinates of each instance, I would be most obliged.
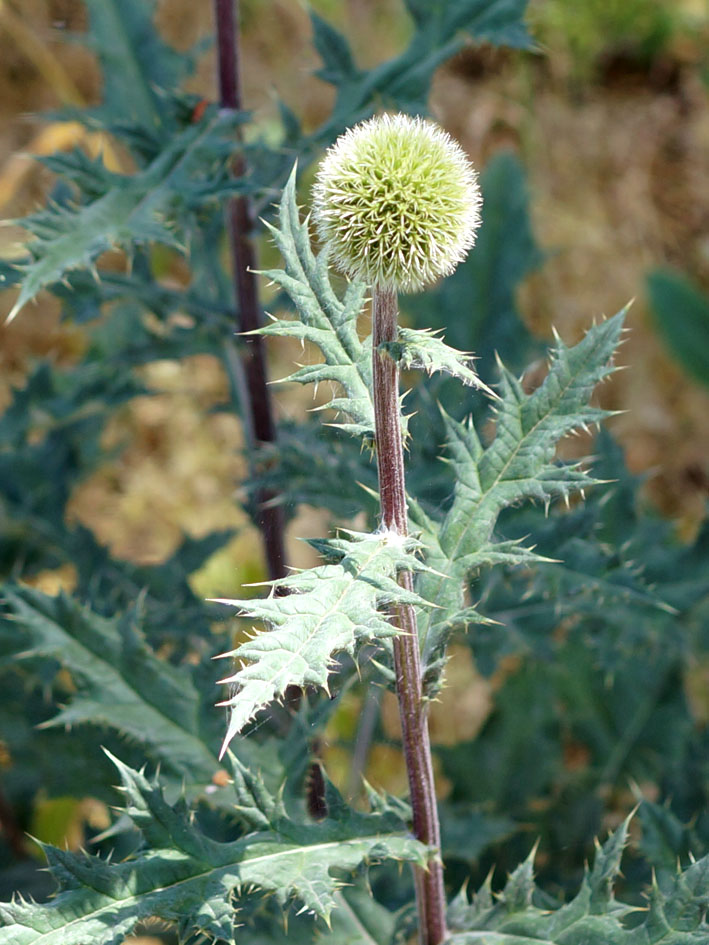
(396, 204)
(226, 846)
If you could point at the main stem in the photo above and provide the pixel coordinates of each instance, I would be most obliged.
(260, 425)
(430, 895)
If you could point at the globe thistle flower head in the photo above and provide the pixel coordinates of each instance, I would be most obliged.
(397, 202)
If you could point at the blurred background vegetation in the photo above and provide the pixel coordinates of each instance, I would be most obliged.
(610, 120)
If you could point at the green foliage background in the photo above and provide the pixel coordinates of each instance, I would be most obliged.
(587, 659)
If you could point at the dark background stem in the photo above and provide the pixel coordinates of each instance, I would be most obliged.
(11, 830)
(259, 424)
(413, 711)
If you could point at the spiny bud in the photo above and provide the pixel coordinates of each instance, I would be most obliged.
(397, 202)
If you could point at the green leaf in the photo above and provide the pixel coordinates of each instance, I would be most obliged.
(516, 756)
(442, 28)
(500, 22)
(360, 920)
(120, 682)
(50, 441)
(424, 350)
(90, 175)
(681, 314)
(330, 609)
(183, 876)
(623, 579)
(466, 831)
(518, 464)
(566, 732)
(403, 82)
(132, 209)
(136, 64)
(666, 841)
(357, 919)
(334, 50)
(418, 10)
(676, 916)
(324, 320)
(38, 755)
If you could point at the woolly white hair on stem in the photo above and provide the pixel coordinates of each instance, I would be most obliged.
(397, 202)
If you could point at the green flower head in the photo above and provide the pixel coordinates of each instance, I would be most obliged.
(397, 202)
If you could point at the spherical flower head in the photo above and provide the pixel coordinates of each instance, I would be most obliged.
(397, 202)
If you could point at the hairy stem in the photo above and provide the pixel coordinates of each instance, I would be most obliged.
(430, 895)
(239, 218)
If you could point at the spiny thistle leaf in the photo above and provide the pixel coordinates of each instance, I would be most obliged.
(136, 64)
(588, 573)
(518, 464)
(680, 312)
(184, 876)
(357, 919)
(49, 441)
(676, 916)
(428, 352)
(630, 586)
(120, 682)
(441, 29)
(335, 52)
(500, 22)
(324, 320)
(666, 840)
(330, 609)
(131, 209)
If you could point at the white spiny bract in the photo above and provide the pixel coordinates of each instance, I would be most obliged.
(327, 610)
(396, 202)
